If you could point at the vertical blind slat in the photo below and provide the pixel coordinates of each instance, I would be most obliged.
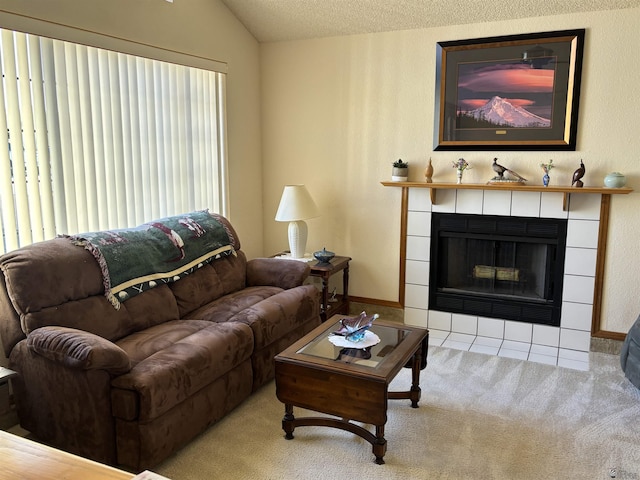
(40, 123)
(9, 221)
(14, 122)
(32, 220)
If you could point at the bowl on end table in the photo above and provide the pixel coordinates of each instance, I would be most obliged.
(324, 256)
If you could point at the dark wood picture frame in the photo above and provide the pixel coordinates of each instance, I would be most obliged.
(517, 92)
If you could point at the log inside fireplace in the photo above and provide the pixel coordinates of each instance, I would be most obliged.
(501, 267)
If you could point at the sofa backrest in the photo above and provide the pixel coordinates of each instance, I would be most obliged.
(58, 283)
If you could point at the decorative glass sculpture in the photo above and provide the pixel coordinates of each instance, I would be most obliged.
(354, 328)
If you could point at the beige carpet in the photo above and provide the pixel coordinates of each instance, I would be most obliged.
(480, 417)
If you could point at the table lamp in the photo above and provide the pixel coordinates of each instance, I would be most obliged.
(296, 206)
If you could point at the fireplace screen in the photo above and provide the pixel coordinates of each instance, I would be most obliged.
(501, 267)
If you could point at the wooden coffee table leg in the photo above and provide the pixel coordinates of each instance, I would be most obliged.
(288, 422)
(380, 445)
(416, 392)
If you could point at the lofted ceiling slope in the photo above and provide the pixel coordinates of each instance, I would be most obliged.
(284, 20)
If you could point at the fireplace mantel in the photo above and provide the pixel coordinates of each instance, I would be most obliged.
(565, 190)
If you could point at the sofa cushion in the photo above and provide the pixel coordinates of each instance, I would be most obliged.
(274, 317)
(72, 270)
(173, 361)
(96, 315)
(224, 308)
(212, 281)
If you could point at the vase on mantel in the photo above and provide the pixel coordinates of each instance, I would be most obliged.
(460, 171)
(545, 179)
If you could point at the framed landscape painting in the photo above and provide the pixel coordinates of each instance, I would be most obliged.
(518, 92)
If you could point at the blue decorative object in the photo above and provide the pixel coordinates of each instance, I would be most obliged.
(354, 328)
(324, 256)
(546, 167)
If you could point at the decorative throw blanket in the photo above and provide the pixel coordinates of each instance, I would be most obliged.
(137, 259)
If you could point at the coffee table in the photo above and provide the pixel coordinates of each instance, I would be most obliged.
(350, 385)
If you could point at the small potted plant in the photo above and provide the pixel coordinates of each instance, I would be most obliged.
(400, 171)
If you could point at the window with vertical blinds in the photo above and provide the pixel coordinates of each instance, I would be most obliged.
(92, 139)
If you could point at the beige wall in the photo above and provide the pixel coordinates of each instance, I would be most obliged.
(198, 27)
(338, 111)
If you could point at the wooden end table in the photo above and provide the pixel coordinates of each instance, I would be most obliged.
(330, 306)
(349, 384)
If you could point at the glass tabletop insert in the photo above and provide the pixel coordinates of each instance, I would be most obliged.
(390, 338)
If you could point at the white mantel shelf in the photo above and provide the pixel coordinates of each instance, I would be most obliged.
(565, 190)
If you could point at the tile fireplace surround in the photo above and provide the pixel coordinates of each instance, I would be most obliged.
(566, 345)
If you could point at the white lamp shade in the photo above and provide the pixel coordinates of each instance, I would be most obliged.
(296, 204)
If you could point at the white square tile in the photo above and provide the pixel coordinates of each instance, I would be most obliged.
(573, 364)
(585, 206)
(544, 350)
(578, 289)
(439, 334)
(488, 342)
(551, 205)
(418, 248)
(417, 272)
(525, 204)
(505, 352)
(439, 320)
(497, 202)
(461, 337)
(464, 324)
(573, 355)
(484, 349)
(435, 341)
(575, 340)
(546, 359)
(419, 224)
(518, 331)
(415, 317)
(582, 233)
(491, 327)
(445, 201)
(456, 345)
(419, 199)
(576, 316)
(416, 296)
(469, 201)
(520, 346)
(580, 261)
(546, 335)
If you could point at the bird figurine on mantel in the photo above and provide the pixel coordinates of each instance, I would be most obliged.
(577, 175)
(500, 170)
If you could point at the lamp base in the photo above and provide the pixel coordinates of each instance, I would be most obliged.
(297, 238)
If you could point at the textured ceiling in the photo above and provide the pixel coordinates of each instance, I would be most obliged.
(279, 20)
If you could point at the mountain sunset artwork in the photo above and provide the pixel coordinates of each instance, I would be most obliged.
(507, 94)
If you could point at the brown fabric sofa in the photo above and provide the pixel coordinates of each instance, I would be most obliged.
(131, 386)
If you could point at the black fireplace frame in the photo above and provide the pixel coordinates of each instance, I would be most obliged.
(549, 231)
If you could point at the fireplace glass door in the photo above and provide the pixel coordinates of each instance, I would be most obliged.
(502, 267)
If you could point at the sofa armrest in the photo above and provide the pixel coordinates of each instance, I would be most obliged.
(276, 272)
(77, 349)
